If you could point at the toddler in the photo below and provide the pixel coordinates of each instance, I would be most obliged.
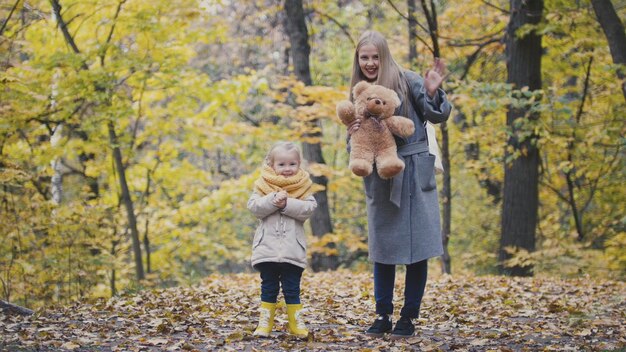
(282, 200)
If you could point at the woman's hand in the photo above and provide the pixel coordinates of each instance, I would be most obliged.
(434, 77)
(354, 126)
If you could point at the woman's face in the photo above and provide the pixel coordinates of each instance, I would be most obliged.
(368, 61)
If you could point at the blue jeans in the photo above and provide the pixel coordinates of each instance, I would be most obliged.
(273, 275)
(414, 285)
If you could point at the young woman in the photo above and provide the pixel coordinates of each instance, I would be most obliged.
(403, 212)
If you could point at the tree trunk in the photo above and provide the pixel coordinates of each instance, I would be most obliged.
(146, 238)
(146, 245)
(128, 203)
(117, 154)
(83, 157)
(521, 175)
(298, 37)
(12, 309)
(56, 182)
(446, 198)
(614, 32)
(112, 282)
(412, 35)
(446, 190)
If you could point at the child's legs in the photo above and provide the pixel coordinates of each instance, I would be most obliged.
(384, 277)
(414, 285)
(270, 281)
(290, 277)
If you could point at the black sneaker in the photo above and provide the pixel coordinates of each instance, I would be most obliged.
(381, 325)
(404, 328)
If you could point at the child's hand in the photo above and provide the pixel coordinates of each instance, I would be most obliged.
(281, 204)
(280, 199)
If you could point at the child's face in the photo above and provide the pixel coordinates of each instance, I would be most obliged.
(286, 163)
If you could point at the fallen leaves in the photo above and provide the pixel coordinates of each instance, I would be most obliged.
(458, 313)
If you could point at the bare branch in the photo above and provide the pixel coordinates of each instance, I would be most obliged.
(431, 19)
(249, 119)
(110, 36)
(9, 17)
(506, 12)
(474, 41)
(472, 58)
(416, 21)
(406, 17)
(56, 7)
(398, 11)
(343, 27)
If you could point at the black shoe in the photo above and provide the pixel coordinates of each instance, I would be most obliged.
(404, 328)
(381, 325)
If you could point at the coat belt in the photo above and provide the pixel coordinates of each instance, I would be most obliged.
(410, 149)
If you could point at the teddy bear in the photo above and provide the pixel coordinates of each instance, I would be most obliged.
(373, 142)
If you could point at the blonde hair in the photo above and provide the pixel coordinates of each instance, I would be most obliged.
(286, 146)
(390, 74)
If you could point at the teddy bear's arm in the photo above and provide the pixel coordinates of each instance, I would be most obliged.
(400, 126)
(345, 112)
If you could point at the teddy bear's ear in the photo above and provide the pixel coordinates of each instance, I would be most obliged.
(360, 88)
(396, 99)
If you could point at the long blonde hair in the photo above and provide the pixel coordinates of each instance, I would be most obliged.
(390, 74)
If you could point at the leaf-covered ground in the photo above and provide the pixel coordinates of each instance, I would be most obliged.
(460, 313)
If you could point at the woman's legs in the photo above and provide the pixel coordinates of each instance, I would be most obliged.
(414, 285)
(384, 277)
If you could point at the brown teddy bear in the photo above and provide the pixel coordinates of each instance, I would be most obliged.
(373, 142)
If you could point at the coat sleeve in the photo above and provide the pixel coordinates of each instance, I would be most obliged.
(261, 206)
(300, 209)
(435, 110)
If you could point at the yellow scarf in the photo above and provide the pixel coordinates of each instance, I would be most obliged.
(297, 186)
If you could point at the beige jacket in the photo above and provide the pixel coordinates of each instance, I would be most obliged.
(280, 235)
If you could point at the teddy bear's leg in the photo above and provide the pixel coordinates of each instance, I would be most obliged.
(361, 162)
(388, 163)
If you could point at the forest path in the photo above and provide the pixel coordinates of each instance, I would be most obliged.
(466, 313)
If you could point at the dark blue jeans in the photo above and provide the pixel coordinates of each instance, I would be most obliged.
(414, 285)
(273, 275)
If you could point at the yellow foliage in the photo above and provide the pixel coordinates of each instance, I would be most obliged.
(616, 254)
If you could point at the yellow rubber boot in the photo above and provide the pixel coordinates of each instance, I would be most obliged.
(266, 319)
(296, 323)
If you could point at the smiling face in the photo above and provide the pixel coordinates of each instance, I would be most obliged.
(286, 162)
(369, 61)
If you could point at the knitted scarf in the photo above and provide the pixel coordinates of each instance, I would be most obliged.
(297, 186)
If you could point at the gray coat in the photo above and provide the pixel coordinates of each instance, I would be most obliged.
(410, 232)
